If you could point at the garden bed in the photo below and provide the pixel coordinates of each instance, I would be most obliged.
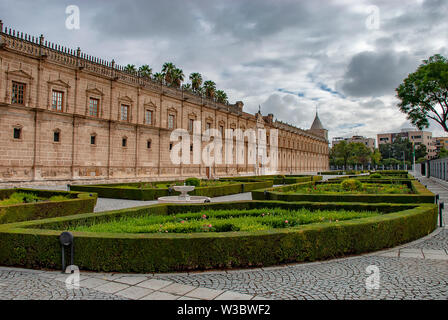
(309, 191)
(29, 204)
(35, 244)
(154, 190)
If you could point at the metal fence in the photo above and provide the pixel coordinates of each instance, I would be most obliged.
(437, 168)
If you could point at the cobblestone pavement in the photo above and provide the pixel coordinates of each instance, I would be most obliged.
(417, 270)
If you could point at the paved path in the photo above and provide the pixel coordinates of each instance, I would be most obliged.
(417, 270)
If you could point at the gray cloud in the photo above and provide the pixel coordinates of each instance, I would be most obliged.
(376, 74)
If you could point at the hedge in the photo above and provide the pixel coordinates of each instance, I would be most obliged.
(31, 244)
(78, 203)
(114, 190)
(422, 195)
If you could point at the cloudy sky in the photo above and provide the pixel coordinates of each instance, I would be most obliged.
(344, 57)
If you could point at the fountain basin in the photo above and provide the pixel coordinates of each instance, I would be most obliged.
(184, 197)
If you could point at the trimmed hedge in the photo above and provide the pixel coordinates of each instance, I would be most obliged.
(30, 244)
(422, 195)
(114, 190)
(78, 203)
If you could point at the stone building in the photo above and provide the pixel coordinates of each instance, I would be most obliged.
(67, 116)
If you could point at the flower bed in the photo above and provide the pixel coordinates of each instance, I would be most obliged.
(35, 244)
(29, 204)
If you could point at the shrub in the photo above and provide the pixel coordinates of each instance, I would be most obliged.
(35, 244)
(193, 182)
(375, 176)
(351, 185)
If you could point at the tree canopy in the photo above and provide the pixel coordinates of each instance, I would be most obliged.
(352, 153)
(424, 93)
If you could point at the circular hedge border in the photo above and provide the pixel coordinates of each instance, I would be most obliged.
(34, 244)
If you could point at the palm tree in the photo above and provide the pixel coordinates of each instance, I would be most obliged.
(145, 71)
(196, 80)
(130, 68)
(177, 77)
(158, 76)
(221, 96)
(209, 88)
(167, 71)
(187, 87)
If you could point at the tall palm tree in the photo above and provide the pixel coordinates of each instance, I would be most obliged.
(145, 71)
(187, 87)
(130, 68)
(210, 89)
(196, 80)
(177, 77)
(221, 96)
(167, 71)
(158, 76)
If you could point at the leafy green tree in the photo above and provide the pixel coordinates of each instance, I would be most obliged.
(420, 151)
(196, 81)
(187, 87)
(145, 71)
(424, 93)
(443, 153)
(376, 157)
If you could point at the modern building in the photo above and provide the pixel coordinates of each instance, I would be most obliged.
(439, 143)
(415, 136)
(68, 116)
(368, 142)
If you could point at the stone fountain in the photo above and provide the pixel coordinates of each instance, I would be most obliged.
(184, 197)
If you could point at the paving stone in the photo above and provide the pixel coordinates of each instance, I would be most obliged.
(131, 280)
(159, 295)
(411, 255)
(187, 298)
(92, 282)
(411, 250)
(154, 284)
(389, 254)
(436, 256)
(231, 295)
(434, 251)
(111, 287)
(134, 292)
(204, 293)
(177, 288)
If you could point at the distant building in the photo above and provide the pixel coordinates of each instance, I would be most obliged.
(439, 143)
(416, 136)
(368, 142)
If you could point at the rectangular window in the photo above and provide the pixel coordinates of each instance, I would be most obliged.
(148, 117)
(221, 130)
(170, 121)
(57, 100)
(148, 144)
(92, 139)
(208, 125)
(124, 112)
(56, 136)
(17, 133)
(124, 142)
(18, 92)
(171, 146)
(93, 107)
(190, 124)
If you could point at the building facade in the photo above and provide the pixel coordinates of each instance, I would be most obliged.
(67, 116)
(414, 136)
(368, 142)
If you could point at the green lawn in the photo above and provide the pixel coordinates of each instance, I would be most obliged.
(23, 197)
(366, 188)
(222, 221)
